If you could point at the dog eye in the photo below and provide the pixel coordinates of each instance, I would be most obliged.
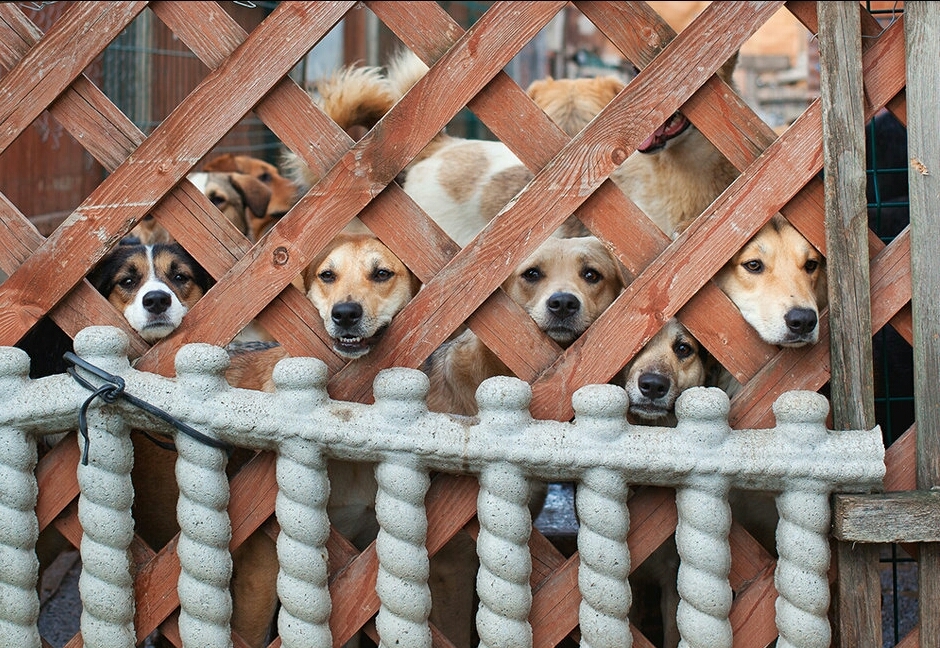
(592, 276)
(181, 277)
(754, 266)
(265, 177)
(127, 282)
(531, 275)
(216, 200)
(327, 276)
(683, 350)
(811, 265)
(382, 274)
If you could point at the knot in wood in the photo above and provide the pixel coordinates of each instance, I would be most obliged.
(618, 156)
(281, 256)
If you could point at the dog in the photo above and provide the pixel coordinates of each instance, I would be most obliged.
(778, 282)
(284, 193)
(154, 286)
(671, 362)
(237, 195)
(564, 285)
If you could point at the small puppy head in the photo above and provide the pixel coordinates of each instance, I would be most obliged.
(778, 282)
(358, 285)
(282, 192)
(565, 285)
(153, 286)
(671, 362)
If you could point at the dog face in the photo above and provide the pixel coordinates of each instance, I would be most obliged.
(565, 285)
(778, 282)
(154, 286)
(282, 192)
(358, 285)
(669, 364)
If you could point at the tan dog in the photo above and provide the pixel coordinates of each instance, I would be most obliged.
(283, 192)
(778, 282)
(237, 195)
(564, 286)
(671, 362)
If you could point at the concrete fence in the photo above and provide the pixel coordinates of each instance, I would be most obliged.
(799, 460)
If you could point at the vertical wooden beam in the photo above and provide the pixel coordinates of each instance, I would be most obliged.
(922, 30)
(858, 593)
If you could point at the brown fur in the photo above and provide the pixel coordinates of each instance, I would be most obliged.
(283, 192)
(572, 103)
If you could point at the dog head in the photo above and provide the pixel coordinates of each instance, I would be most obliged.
(671, 362)
(283, 192)
(565, 285)
(358, 285)
(237, 195)
(670, 133)
(153, 286)
(572, 103)
(778, 282)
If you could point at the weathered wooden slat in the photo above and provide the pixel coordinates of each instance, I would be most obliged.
(909, 516)
(922, 29)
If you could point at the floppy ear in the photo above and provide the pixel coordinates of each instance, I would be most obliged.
(224, 163)
(255, 193)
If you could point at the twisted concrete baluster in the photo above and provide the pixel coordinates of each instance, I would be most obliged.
(300, 506)
(702, 541)
(801, 577)
(604, 520)
(18, 534)
(104, 509)
(505, 563)
(402, 580)
(605, 560)
(703, 526)
(205, 528)
(303, 491)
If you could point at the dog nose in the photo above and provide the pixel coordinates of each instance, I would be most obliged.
(346, 314)
(563, 304)
(800, 320)
(156, 301)
(653, 385)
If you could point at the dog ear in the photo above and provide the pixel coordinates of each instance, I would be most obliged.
(224, 163)
(254, 193)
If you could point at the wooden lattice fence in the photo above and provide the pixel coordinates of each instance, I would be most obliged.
(249, 73)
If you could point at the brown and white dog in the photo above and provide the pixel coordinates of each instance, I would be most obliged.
(671, 362)
(237, 195)
(154, 286)
(283, 191)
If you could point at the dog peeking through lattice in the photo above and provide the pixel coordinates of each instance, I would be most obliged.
(154, 286)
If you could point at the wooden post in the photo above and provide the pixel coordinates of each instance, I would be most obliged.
(922, 29)
(843, 117)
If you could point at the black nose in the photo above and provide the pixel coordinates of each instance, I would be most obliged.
(653, 385)
(800, 320)
(346, 314)
(563, 305)
(156, 301)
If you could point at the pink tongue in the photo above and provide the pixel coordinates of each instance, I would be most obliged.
(673, 126)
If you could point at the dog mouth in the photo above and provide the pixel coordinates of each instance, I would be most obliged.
(351, 346)
(648, 411)
(563, 335)
(674, 126)
(156, 330)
